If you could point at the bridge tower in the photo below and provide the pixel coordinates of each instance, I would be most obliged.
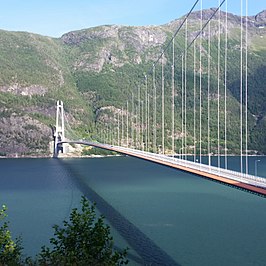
(59, 132)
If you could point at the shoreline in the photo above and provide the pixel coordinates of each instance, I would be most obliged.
(61, 157)
(103, 156)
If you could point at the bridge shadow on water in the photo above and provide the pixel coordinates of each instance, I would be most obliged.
(149, 252)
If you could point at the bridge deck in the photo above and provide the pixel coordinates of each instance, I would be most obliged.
(233, 178)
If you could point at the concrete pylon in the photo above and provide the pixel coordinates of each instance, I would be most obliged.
(59, 133)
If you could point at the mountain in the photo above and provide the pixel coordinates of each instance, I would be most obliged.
(95, 71)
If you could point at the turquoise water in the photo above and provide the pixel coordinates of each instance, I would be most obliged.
(166, 217)
(234, 162)
(39, 193)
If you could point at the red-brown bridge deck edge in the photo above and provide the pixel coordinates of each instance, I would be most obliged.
(251, 188)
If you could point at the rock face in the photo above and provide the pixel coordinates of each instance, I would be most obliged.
(261, 18)
(138, 37)
(21, 135)
(78, 37)
(25, 91)
(112, 44)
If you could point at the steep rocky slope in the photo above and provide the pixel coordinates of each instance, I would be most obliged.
(94, 71)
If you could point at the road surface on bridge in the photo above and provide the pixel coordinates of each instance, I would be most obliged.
(244, 181)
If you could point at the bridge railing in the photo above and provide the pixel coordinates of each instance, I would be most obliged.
(230, 174)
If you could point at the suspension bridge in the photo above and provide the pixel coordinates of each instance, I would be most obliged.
(139, 127)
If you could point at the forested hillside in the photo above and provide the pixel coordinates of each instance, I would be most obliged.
(95, 71)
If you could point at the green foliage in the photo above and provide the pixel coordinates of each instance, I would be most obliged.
(10, 250)
(258, 138)
(104, 66)
(83, 240)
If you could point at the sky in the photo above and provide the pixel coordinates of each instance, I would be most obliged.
(56, 17)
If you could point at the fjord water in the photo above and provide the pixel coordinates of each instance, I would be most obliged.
(163, 215)
(38, 193)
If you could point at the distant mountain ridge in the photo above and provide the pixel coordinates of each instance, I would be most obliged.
(95, 70)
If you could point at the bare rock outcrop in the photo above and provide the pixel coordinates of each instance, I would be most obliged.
(23, 135)
(24, 90)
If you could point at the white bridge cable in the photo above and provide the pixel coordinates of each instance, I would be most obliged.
(142, 125)
(182, 55)
(70, 133)
(139, 119)
(162, 105)
(136, 123)
(122, 127)
(182, 107)
(146, 113)
(173, 97)
(137, 135)
(194, 104)
(225, 86)
(127, 127)
(132, 120)
(153, 74)
(200, 87)
(218, 87)
(152, 70)
(241, 86)
(118, 129)
(148, 125)
(185, 91)
(209, 75)
(177, 31)
(154, 111)
(140, 109)
(205, 25)
(246, 87)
